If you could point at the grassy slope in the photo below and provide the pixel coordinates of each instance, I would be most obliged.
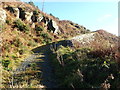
(17, 44)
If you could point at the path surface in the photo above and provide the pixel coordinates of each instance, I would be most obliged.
(42, 53)
(48, 77)
(26, 63)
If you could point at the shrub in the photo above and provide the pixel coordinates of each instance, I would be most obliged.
(35, 12)
(21, 52)
(47, 40)
(82, 70)
(20, 25)
(39, 28)
(17, 42)
(10, 9)
(83, 31)
(23, 49)
(5, 63)
(51, 14)
(88, 30)
(44, 35)
(31, 3)
(8, 22)
(31, 43)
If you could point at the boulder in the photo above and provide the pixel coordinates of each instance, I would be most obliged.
(37, 18)
(52, 25)
(40, 18)
(55, 26)
(46, 20)
(28, 16)
(22, 14)
(33, 25)
(16, 12)
(34, 18)
(2, 16)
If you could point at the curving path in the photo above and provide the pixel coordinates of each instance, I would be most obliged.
(48, 76)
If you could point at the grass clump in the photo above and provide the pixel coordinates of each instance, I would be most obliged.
(35, 12)
(8, 22)
(46, 38)
(21, 25)
(39, 28)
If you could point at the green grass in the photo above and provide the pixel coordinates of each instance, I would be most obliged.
(81, 69)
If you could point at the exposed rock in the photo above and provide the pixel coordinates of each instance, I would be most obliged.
(85, 38)
(46, 20)
(34, 18)
(77, 26)
(28, 16)
(40, 18)
(16, 12)
(2, 16)
(10, 9)
(55, 26)
(33, 25)
(37, 18)
(52, 25)
(22, 14)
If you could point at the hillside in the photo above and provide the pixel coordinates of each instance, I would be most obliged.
(30, 36)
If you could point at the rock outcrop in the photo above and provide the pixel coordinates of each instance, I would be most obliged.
(40, 18)
(56, 27)
(33, 25)
(27, 12)
(22, 14)
(53, 27)
(85, 38)
(28, 16)
(2, 16)
(16, 12)
(46, 20)
(37, 18)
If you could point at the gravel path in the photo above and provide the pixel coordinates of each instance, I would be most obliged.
(26, 63)
(48, 77)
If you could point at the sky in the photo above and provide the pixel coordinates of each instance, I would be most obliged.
(93, 14)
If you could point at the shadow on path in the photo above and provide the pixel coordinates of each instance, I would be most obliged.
(48, 76)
